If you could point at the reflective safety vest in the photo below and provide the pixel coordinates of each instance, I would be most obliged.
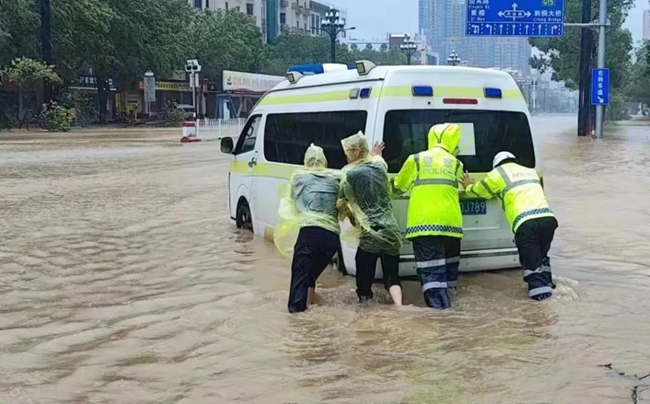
(434, 207)
(520, 190)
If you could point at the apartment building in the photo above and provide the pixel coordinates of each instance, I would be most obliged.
(275, 17)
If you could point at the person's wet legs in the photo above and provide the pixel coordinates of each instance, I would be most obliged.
(390, 268)
(452, 261)
(313, 251)
(432, 270)
(366, 264)
(532, 259)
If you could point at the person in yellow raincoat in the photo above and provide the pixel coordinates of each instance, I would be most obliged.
(308, 207)
(528, 213)
(365, 198)
(434, 221)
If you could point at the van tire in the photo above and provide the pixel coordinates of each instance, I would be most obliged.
(244, 219)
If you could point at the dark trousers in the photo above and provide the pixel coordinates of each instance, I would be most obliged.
(366, 264)
(313, 251)
(533, 239)
(437, 259)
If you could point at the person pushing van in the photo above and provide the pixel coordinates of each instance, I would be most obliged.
(528, 214)
(365, 198)
(310, 206)
(434, 219)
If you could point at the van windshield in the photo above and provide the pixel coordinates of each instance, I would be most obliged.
(485, 133)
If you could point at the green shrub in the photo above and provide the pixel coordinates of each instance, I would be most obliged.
(617, 109)
(175, 117)
(56, 117)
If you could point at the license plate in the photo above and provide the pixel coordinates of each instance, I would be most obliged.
(474, 207)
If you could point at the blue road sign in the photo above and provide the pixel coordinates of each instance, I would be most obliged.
(529, 18)
(600, 87)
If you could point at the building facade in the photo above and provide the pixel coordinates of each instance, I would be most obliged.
(443, 24)
(275, 17)
(646, 25)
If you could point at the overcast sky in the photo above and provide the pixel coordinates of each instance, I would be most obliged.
(375, 18)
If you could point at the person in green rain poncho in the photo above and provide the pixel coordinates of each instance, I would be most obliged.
(365, 198)
(308, 209)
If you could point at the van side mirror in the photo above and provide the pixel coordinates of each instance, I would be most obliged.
(227, 145)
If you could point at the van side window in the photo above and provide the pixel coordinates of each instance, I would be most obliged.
(248, 136)
(287, 136)
(405, 133)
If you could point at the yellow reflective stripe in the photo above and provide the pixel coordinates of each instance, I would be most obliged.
(265, 170)
(278, 98)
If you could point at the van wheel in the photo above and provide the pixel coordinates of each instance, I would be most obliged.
(244, 219)
(338, 264)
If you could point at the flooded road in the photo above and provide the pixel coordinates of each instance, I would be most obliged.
(123, 280)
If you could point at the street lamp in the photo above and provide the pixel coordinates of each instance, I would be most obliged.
(453, 59)
(408, 48)
(333, 25)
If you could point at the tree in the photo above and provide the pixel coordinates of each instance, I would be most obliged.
(299, 49)
(227, 41)
(638, 86)
(294, 49)
(560, 54)
(390, 58)
(28, 74)
(19, 25)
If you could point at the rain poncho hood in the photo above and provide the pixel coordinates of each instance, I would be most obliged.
(309, 200)
(365, 199)
(446, 136)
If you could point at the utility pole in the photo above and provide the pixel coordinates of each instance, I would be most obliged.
(602, 24)
(46, 42)
(585, 108)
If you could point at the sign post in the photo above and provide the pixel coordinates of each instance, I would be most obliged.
(602, 22)
(149, 90)
(193, 67)
(541, 18)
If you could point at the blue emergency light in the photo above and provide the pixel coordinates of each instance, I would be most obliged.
(422, 91)
(319, 68)
(365, 92)
(492, 92)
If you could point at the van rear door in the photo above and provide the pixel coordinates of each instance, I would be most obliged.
(484, 134)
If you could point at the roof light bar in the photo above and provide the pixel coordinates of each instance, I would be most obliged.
(318, 68)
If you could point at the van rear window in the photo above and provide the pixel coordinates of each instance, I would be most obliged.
(287, 136)
(405, 133)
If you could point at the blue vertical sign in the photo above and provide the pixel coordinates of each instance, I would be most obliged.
(600, 87)
(529, 18)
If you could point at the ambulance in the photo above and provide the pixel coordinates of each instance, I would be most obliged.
(323, 104)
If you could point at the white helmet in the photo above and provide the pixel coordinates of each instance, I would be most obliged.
(504, 155)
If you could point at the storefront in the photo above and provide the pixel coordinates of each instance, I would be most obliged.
(240, 92)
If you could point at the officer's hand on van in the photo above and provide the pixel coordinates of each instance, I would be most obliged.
(466, 180)
(378, 148)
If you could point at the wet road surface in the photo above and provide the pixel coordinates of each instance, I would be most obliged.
(123, 280)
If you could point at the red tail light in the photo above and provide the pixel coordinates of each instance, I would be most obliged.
(462, 101)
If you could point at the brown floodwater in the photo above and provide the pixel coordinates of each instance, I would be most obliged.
(123, 280)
